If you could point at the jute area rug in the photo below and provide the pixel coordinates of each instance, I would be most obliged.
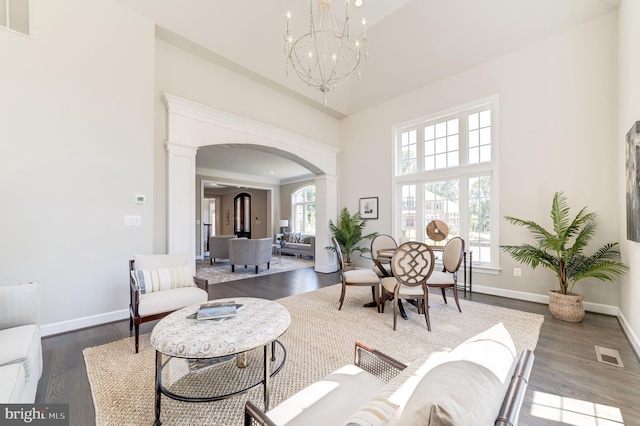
(320, 340)
(220, 271)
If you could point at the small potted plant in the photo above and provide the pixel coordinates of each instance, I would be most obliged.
(562, 251)
(348, 233)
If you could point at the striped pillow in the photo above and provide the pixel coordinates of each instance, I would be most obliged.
(151, 280)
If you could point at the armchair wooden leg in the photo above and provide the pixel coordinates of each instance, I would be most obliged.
(425, 306)
(444, 296)
(455, 296)
(342, 296)
(137, 336)
(395, 312)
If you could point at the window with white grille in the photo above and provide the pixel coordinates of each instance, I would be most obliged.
(446, 168)
(15, 15)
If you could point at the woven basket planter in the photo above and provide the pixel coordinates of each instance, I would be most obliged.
(348, 266)
(566, 307)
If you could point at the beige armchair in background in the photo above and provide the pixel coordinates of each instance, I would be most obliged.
(245, 252)
(218, 247)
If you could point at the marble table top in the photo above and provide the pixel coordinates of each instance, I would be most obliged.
(257, 322)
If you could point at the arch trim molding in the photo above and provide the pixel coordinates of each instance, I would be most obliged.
(193, 125)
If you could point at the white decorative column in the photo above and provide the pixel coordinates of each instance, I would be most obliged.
(181, 200)
(326, 208)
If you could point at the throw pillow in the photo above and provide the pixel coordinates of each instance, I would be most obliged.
(470, 387)
(150, 280)
(293, 237)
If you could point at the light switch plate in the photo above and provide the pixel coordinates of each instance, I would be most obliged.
(132, 220)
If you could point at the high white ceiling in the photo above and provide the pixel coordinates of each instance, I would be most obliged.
(412, 43)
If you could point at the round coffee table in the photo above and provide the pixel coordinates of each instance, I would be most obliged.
(193, 357)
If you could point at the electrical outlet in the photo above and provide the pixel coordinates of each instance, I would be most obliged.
(517, 272)
(132, 220)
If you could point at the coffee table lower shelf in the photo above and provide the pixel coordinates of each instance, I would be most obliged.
(188, 382)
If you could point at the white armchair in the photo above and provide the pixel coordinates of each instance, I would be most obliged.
(244, 251)
(159, 285)
(21, 353)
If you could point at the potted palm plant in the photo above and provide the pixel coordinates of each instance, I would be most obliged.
(349, 233)
(562, 251)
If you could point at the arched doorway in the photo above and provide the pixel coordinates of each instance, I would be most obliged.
(242, 215)
(191, 125)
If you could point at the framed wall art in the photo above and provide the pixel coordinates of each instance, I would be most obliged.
(633, 182)
(369, 208)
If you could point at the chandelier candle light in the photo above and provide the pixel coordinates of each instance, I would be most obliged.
(325, 57)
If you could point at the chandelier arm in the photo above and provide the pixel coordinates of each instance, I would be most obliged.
(325, 57)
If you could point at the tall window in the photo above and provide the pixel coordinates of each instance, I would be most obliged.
(446, 169)
(303, 202)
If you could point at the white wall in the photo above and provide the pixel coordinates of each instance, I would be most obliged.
(75, 148)
(557, 131)
(628, 113)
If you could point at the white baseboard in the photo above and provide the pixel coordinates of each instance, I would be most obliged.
(633, 338)
(540, 298)
(78, 323)
(326, 269)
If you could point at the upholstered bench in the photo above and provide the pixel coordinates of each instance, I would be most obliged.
(480, 382)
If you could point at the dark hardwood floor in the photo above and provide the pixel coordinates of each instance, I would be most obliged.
(567, 386)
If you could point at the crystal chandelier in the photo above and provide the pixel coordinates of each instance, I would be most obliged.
(326, 56)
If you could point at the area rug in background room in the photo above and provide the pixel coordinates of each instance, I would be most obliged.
(220, 271)
(319, 340)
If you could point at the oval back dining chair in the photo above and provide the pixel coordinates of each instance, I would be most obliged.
(356, 277)
(382, 242)
(412, 264)
(448, 278)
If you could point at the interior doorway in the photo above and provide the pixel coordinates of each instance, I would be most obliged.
(191, 126)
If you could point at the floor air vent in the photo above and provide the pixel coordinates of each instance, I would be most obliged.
(608, 356)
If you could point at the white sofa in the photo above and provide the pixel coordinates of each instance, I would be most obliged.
(480, 382)
(20, 343)
(243, 251)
